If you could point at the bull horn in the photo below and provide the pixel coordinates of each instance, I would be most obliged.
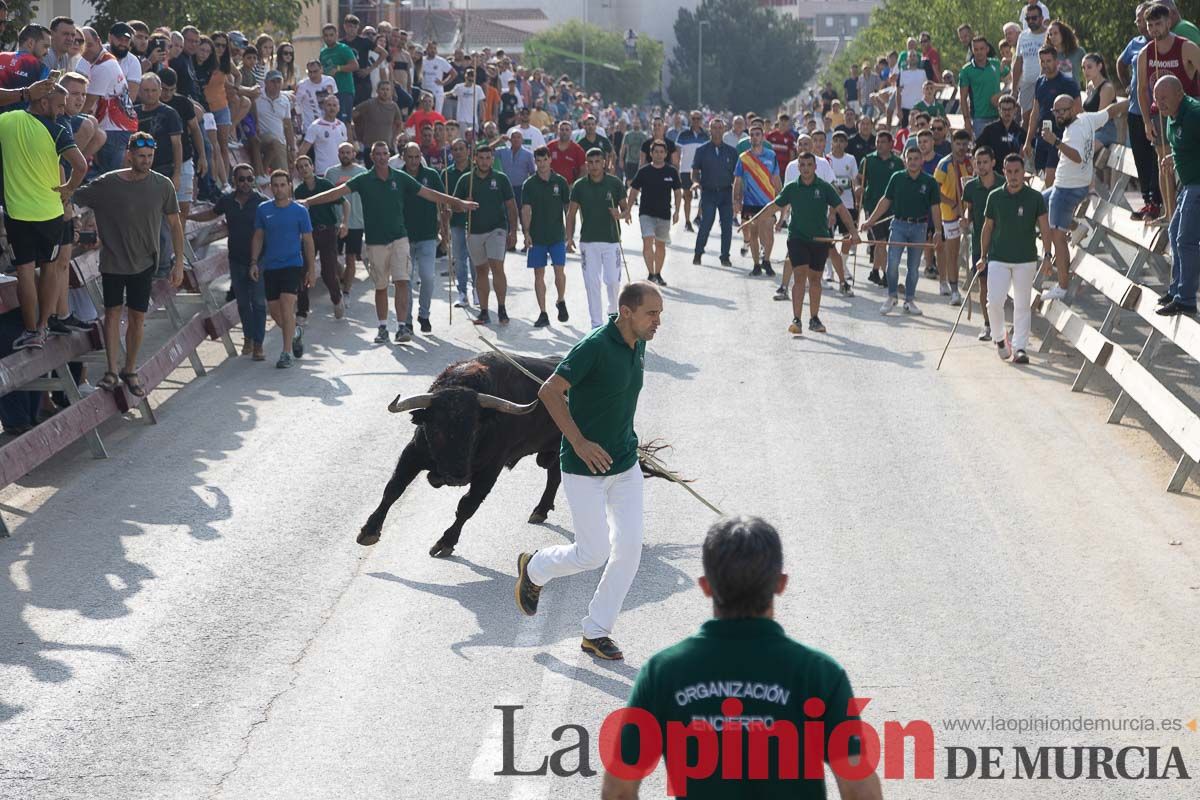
(399, 406)
(505, 406)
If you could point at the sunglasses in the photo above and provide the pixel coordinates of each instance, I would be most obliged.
(142, 140)
(286, 53)
(244, 178)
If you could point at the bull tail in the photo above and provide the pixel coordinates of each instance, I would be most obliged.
(652, 467)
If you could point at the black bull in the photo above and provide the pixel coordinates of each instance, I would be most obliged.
(478, 417)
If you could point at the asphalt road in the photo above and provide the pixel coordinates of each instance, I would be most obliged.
(192, 618)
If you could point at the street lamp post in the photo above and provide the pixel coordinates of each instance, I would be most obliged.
(583, 59)
(700, 66)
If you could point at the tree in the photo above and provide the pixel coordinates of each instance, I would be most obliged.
(20, 12)
(753, 57)
(562, 50)
(248, 16)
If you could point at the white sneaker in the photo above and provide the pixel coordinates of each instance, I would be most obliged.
(1055, 293)
(911, 308)
(985, 333)
(1003, 350)
(955, 298)
(339, 310)
(888, 306)
(944, 288)
(86, 389)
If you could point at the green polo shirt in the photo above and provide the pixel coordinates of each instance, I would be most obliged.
(975, 195)
(326, 214)
(1015, 220)
(605, 375)
(754, 662)
(421, 217)
(335, 56)
(810, 204)
(1183, 134)
(934, 109)
(596, 200)
(912, 198)
(547, 200)
(600, 141)
(982, 83)
(383, 202)
(1187, 30)
(877, 171)
(492, 193)
(450, 176)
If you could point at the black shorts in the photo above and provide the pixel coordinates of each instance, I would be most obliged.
(686, 179)
(131, 291)
(285, 280)
(881, 231)
(749, 211)
(68, 232)
(34, 242)
(352, 244)
(841, 226)
(810, 254)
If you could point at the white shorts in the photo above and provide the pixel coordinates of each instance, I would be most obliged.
(388, 263)
(951, 229)
(210, 122)
(187, 172)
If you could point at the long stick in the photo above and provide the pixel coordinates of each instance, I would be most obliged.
(450, 271)
(644, 456)
(974, 273)
(826, 240)
(620, 244)
(754, 219)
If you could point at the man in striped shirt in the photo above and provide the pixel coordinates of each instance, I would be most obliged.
(755, 185)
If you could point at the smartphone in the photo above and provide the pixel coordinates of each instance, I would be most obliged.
(1047, 125)
(87, 237)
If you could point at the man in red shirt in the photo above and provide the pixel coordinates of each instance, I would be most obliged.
(424, 116)
(929, 52)
(783, 141)
(566, 157)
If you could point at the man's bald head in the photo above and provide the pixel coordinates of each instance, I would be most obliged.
(1168, 93)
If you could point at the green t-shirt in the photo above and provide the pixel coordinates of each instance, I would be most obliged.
(333, 57)
(743, 144)
(1183, 134)
(912, 198)
(975, 195)
(450, 176)
(876, 172)
(547, 201)
(596, 200)
(327, 214)
(633, 145)
(421, 216)
(600, 141)
(383, 203)
(492, 193)
(1187, 30)
(982, 83)
(1015, 221)
(752, 661)
(605, 375)
(810, 207)
(934, 109)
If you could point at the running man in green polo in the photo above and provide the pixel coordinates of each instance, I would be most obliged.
(592, 397)
(1015, 215)
(384, 192)
(491, 229)
(809, 199)
(875, 172)
(914, 198)
(742, 674)
(544, 199)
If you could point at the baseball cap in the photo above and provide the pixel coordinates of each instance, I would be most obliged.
(238, 39)
(121, 29)
(273, 75)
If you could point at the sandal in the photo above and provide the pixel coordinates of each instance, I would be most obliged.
(109, 382)
(135, 389)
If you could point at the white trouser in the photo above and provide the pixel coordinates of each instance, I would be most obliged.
(598, 502)
(1000, 275)
(601, 260)
(439, 99)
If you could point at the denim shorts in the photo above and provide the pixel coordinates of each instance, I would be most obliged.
(1061, 203)
(222, 116)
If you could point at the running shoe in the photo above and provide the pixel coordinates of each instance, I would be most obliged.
(910, 307)
(781, 293)
(1003, 350)
(542, 321)
(814, 325)
(754, 273)
(426, 327)
(75, 323)
(985, 333)
(298, 342)
(30, 340)
(766, 267)
(796, 327)
(403, 333)
(563, 316)
(285, 360)
(955, 298)
(603, 647)
(56, 327)
(526, 591)
(888, 306)
(1020, 357)
(846, 290)
(1055, 292)
(381, 337)
(876, 278)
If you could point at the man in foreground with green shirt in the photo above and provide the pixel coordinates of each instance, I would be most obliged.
(742, 674)
(1014, 217)
(809, 200)
(384, 192)
(592, 397)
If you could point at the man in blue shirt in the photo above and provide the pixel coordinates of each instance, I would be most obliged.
(283, 246)
(1144, 159)
(712, 168)
(517, 163)
(1050, 85)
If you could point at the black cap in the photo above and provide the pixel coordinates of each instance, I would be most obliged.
(121, 29)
